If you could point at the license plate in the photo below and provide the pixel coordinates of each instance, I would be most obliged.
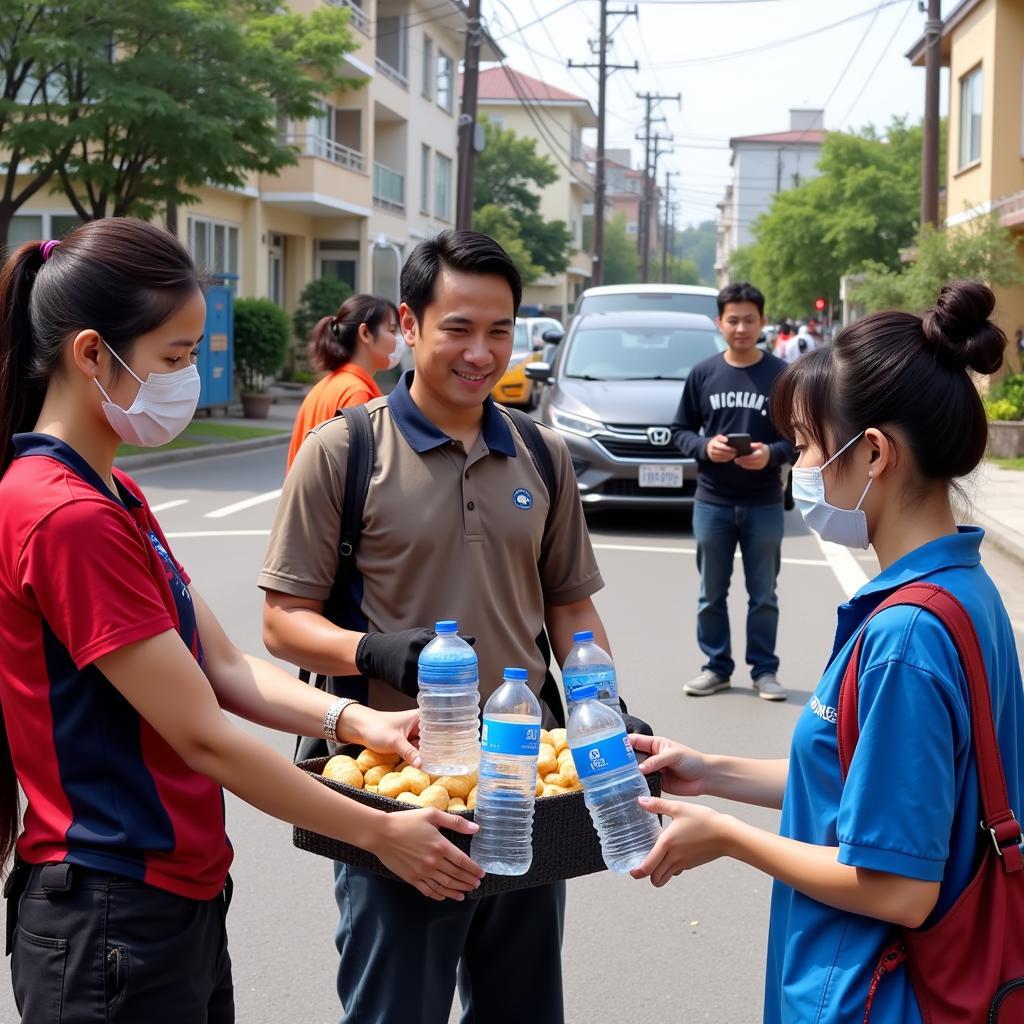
(661, 476)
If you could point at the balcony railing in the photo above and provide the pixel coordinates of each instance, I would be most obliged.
(394, 74)
(388, 188)
(357, 15)
(328, 149)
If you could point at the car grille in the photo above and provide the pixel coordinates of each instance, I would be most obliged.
(640, 448)
(632, 489)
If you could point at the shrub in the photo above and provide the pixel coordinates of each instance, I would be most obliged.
(262, 333)
(1002, 409)
(320, 298)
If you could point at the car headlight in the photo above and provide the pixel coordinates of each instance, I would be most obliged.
(575, 424)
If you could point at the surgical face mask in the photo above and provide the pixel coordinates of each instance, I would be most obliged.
(163, 407)
(396, 356)
(846, 526)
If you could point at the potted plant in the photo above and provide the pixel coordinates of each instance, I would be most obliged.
(261, 343)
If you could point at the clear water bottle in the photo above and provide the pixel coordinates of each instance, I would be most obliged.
(449, 700)
(589, 664)
(509, 744)
(611, 781)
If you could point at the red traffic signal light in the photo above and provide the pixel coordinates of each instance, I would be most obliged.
(819, 304)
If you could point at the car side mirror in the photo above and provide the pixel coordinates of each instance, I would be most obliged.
(552, 336)
(540, 372)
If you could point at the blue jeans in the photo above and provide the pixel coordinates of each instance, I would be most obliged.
(758, 531)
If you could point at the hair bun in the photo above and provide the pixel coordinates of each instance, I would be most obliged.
(958, 331)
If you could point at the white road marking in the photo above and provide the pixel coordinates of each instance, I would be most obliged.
(650, 549)
(188, 534)
(239, 506)
(848, 570)
(164, 506)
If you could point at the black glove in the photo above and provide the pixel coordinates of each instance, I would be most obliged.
(634, 724)
(394, 657)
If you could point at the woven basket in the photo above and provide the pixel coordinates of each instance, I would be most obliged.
(565, 844)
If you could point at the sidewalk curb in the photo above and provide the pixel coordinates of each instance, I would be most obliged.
(1001, 537)
(200, 451)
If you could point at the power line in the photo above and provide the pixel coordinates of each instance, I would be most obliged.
(537, 21)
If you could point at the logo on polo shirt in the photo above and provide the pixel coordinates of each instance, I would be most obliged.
(825, 712)
(523, 498)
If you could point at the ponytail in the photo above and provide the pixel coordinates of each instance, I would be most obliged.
(21, 391)
(336, 338)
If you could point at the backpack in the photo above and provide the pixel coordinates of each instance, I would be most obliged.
(342, 607)
(968, 967)
(801, 343)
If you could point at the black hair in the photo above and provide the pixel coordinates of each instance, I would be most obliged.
(335, 337)
(897, 370)
(740, 291)
(122, 278)
(466, 251)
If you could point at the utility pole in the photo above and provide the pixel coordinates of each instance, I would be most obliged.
(467, 120)
(604, 69)
(669, 175)
(930, 142)
(650, 172)
(650, 205)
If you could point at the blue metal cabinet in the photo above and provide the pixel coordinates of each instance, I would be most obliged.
(216, 354)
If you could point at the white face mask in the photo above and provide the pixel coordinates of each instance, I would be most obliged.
(162, 409)
(846, 526)
(396, 356)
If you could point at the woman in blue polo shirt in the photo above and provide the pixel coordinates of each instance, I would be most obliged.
(113, 671)
(885, 421)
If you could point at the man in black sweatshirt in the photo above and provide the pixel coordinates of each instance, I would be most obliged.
(739, 496)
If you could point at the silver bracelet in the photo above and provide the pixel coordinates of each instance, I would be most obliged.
(332, 716)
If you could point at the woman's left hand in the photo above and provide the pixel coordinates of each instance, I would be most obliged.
(387, 732)
(693, 836)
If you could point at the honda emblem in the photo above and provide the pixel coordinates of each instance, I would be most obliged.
(659, 436)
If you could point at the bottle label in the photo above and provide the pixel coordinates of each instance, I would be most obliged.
(499, 737)
(607, 755)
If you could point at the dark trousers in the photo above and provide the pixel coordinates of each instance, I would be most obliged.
(93, 948)
(401, 954)
(757, 529)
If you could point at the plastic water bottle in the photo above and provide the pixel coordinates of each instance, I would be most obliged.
(588, 663)
(449, 700)
(611, 781)
(509, 744)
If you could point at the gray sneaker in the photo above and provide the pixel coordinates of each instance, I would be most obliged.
(706, 683)
(768, 687)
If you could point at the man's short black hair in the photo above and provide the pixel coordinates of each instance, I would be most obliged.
(467, 251)
(740, 291)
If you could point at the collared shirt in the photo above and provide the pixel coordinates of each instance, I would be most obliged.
(447, 534)
(85, 572)
(910, 805)
(347, 386)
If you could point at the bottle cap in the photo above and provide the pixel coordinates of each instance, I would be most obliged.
(517, 674)
(446, 626)
(588, 691)
(583, 636)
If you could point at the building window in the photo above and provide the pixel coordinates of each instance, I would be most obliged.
(214, 246)
(425, 180)
(443, 189)
(445, 70)
(970, 118)
(428, 67)
(34, 227)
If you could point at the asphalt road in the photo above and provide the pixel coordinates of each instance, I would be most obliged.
(693, 951)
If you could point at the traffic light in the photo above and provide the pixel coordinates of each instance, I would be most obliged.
(819, 304)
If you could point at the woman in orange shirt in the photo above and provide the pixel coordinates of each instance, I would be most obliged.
(351, 346)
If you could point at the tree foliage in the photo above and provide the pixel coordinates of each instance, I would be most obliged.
(320, 297)
(509, 177)
(262, 332)
(621, 260)
(697, 243)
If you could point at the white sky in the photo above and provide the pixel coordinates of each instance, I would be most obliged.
(856, 70)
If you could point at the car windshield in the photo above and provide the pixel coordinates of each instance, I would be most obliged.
(646, 353)
(633, 302)
(521, 340)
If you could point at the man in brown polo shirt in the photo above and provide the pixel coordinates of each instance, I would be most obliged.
(456, 525)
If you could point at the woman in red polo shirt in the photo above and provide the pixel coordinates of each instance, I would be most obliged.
(113, 670)
(361, 339)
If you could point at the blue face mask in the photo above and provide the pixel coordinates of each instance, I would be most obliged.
(846, 526)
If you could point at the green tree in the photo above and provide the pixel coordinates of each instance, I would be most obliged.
(621, 260)
(500, 223)
(159, 97)
(697, 243)
(682, 271)
(508, 177)
(863, 207)
(980, 249)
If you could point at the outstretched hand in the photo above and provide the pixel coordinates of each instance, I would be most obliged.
(683, 769)
(693, 836)
(387, 732)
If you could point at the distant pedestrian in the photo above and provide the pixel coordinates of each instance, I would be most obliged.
(723, 422)
(786, 331)
(806, 340)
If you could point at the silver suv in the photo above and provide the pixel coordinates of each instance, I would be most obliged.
(612, 394)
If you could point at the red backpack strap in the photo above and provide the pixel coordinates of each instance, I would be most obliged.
(999, 821)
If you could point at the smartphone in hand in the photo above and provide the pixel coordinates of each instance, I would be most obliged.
(740, 442)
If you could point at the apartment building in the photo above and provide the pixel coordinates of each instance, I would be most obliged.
(983, 47)
(762, 166)
(375, 176)
(556, 119)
